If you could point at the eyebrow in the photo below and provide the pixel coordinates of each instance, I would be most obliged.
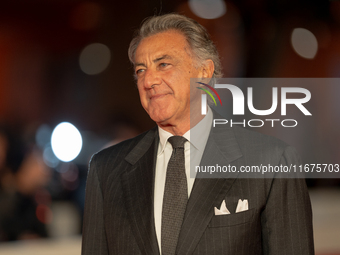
(155, 60)
(161, 58)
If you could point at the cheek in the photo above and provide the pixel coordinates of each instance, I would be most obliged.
(195, 94)
(141, 91)
(143, 98)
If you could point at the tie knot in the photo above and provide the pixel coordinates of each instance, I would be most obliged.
(177, 141)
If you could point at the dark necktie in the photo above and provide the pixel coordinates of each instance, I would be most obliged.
(175, 196)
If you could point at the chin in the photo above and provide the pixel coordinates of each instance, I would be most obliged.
(163, 120)
(160, 117)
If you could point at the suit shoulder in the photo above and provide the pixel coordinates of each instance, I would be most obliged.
(259, 146)
(246, 136)
(249, 139)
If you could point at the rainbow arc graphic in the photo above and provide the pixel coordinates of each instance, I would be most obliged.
(209, 93)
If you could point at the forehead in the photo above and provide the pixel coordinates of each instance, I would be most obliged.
(164, 43)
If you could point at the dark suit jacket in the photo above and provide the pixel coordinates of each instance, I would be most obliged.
(119, 200)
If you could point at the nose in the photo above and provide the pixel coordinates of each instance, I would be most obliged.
(151, 78)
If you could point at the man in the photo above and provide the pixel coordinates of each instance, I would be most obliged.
(130, 197)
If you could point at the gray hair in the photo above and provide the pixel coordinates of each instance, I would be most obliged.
(196, 35)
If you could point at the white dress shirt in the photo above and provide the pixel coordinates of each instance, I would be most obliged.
(193, 150)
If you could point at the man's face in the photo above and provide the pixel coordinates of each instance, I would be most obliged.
(164, 66)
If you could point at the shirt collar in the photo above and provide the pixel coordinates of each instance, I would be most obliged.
(201, 131)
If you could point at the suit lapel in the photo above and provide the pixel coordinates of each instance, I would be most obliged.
(138, 186)
(222, 148)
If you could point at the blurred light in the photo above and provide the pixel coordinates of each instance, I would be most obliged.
(66, 141)
(44, 214)
(208, 9)
(49, 158)
(43, 135)
(86, 16)
(304, 43)
(94, 58)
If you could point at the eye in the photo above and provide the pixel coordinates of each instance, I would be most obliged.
(139, 71)
(163, 64)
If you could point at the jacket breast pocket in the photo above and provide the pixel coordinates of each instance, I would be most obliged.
(231, 219)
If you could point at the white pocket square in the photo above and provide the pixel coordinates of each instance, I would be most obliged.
(223, 209)
(242, 205)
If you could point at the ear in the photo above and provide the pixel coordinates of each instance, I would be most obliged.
(208, 69)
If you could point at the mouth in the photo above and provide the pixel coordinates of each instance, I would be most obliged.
(157, 96)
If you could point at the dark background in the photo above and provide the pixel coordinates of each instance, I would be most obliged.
(40, 44)
(42, 83)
